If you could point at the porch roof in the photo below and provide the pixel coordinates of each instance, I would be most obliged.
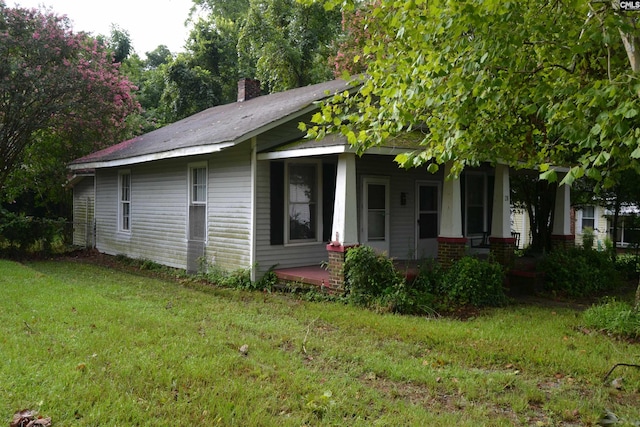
(337, 143)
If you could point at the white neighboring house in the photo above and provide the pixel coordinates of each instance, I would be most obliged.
(628, 231)
(592, 217)
(598, 218)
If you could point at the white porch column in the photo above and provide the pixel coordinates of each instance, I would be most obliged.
(501, 220)
(345, 210)
(451, 217)
(562, 213)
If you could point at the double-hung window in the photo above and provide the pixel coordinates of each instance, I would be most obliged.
(197, 202)
(124, 201)
(303, 201)
(588, 217)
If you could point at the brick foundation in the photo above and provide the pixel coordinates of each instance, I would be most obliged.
(563, 241)
(450, 250)
(337, 254)
(502, 250)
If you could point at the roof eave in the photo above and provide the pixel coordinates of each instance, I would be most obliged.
(172, 154)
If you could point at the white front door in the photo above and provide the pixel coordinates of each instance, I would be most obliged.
(428, 219)
(375, 213)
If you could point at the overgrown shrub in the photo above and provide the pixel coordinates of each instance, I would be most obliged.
(475, 282)
(21, 234)
(627, 266)
(614, 317)
(369, 276)
(578, 272)
(588, 238)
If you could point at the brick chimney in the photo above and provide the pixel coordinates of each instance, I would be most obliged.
(248, 89)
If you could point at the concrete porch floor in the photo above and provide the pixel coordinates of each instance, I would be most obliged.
(521, 279)
(319, 276)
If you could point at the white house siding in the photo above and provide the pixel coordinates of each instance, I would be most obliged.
(403, 221)
(229, 208)
(600, 227)
(158, 213)
(83, 208)
(284, 256)
(520, 224)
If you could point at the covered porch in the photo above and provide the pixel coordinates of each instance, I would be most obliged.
(444, 218)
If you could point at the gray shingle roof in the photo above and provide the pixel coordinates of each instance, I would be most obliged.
(215, 128)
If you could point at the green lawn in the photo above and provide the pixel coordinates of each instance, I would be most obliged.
(91, 346)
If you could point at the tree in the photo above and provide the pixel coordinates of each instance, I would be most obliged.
(529, 84)
(286, 44)
(120, 44)
(55, 85)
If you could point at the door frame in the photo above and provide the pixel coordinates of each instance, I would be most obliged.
(380, 246)
(438, 186)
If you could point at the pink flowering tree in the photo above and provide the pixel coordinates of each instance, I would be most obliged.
(61, 94)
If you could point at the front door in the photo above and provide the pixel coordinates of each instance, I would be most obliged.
(375, 213)
(428, 218)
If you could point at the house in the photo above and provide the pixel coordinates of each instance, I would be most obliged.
(238, 186)
(599, 219)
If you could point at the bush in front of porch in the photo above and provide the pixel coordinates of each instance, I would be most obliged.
(373, 281)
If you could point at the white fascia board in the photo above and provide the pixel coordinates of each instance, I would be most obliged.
(334, 149)
(182, 152)
(302, 152)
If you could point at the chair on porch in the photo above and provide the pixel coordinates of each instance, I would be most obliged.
(480, 241)
(516, 236)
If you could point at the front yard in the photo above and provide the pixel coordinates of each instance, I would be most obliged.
(87, 346)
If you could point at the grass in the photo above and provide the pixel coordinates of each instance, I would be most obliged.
(89, 345)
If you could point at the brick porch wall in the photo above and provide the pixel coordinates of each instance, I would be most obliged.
(451, 249)
(337, 254)
(502, 250)
(559, 241)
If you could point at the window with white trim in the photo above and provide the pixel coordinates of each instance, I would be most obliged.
(198, 185)
(588, 217)
(303, 206)
(197, 230)
(124, 201)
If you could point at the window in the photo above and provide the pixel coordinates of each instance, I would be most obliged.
(124, 197)
(588, 217)
(476, 204)
(198, 185)
(197, 230)
(302, 201)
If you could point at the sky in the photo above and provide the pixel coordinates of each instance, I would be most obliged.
(149, 23)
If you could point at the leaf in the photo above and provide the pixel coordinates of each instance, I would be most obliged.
(632, 112)
(433, 168)
(636, 153)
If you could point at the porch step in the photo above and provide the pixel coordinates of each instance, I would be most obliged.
(311, 275)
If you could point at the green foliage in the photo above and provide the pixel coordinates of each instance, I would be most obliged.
(475, 282)
(135, 349)
(239, 279)
(628, 266)
(20, 234)
(614, 317)
(588, 238)
(285, 44)
(81, 97)
(578, 272)
(369, 275)
(548, 83)
(373, 281)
